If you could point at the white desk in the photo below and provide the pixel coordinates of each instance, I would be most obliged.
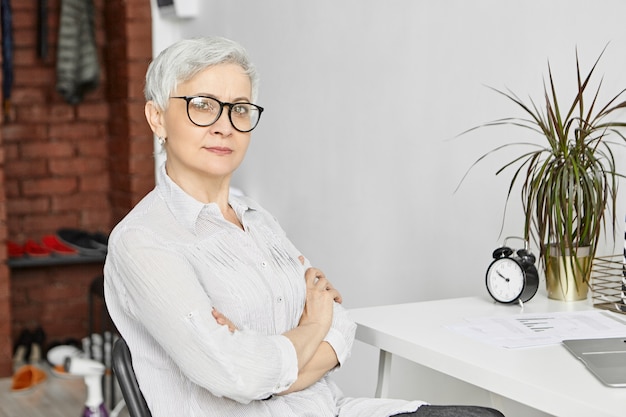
(546, 378)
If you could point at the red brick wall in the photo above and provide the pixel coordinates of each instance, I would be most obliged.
(54, 298)
(5, 283)
(56, 154)
(130, 146)
(78, 166)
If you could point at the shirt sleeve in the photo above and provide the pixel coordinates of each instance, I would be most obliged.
(167, 299)
(341, 333)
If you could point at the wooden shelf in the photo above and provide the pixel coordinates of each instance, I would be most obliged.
(54, 260)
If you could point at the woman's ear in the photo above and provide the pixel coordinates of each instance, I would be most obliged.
(154, 116)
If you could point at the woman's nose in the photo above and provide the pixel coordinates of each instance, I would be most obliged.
(222, 124)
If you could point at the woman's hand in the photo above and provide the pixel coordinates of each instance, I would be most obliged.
(320, 295)
(317, 316)
(222, 320)
(315, 357)
(330, 286)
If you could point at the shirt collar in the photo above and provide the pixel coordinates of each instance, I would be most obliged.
(187, 209)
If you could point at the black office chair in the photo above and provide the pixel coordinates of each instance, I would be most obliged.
(125, 374)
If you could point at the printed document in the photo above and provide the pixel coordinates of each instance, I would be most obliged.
(527, 330)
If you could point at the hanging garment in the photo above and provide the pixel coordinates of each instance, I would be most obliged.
(42, 29)
(7, 56)
(77, 57)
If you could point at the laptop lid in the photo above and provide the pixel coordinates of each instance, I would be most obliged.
(605, 358)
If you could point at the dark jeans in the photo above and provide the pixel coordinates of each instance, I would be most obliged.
(453, 411)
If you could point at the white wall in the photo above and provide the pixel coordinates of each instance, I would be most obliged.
(356, 153)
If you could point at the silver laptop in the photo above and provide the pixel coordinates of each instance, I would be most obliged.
(605, 358)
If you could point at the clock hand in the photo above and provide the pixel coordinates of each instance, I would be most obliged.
(502, 276)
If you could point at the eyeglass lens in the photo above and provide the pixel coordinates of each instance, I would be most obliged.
(205, 111)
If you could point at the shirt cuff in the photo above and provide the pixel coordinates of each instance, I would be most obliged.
(289, 360)
(338, 343)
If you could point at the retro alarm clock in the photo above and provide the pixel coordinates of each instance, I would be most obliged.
(512, 275)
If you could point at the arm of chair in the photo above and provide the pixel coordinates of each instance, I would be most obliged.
(123, 368)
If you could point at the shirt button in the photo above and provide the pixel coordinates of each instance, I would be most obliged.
(279, 299)
(263, 264)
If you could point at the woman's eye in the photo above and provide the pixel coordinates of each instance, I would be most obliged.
(240, 109)
(202, 105)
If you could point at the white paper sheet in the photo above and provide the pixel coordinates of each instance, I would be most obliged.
(527, 330)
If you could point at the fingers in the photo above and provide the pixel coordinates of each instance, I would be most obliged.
(317, 280)
(335, 294)
(223, 321)
(219, 317)
(301, 258)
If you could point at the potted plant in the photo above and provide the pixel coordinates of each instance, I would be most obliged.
(569, 181)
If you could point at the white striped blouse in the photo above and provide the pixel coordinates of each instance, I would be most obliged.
(170, 261)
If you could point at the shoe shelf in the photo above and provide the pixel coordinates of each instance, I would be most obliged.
(66, 247)
(53, 260)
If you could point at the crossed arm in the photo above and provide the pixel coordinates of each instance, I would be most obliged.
(315, 356)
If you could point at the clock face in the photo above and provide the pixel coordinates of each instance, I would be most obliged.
(505, 280)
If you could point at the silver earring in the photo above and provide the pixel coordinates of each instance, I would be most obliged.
(161, 140)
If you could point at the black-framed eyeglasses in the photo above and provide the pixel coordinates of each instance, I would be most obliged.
(204, 111)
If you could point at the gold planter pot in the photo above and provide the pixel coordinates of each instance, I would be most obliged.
(564, 281)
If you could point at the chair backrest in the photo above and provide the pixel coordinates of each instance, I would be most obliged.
(123, 368)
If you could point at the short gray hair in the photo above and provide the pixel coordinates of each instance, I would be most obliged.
(184, 59)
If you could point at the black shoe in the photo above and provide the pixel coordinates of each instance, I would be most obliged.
(21, 349)
(92, 244)
(36, 347)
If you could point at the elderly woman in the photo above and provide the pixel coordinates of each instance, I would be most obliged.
(223, 315)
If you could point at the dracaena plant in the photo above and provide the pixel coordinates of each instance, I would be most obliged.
(569, 182)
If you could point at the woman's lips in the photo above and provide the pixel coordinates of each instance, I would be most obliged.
(219, 150)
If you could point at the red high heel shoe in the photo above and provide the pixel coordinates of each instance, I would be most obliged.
(55, 245)
(35, 250)
(15, 249)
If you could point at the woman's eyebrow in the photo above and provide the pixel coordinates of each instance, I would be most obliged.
(235, 100)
